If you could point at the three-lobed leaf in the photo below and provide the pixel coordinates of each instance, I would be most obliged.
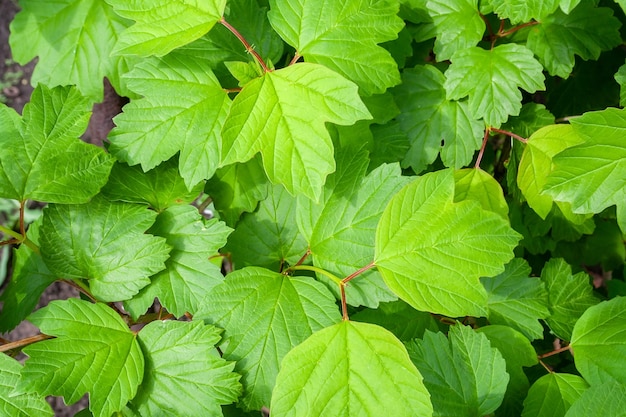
(458, 25)
(22, 405)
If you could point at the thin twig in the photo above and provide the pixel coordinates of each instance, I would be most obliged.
(358, 272)
(511, 134)
(482, 148)
(245, 43)
(24, 342)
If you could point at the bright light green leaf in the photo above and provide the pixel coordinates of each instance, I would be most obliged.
(162, 26)
(23, 405)
(282, 115)
(464, 374)
(569, 296)
(350, 369)
(398, 317)
(516, 300)
(104, 243)
(521, 11)
(67, 368)
(73, 40)
(189, 274)
(458, 25)
(492, 78)
(269, 237)
(431, 252)
(475, 184)
(42, 157)
(531, 118)
(599, 342)
(586, 31)
(324, 33)
(608, 399)
(620, 77)
(265, 315)
(429, 119)
(198, 388)
(164, 122)
(553, 394)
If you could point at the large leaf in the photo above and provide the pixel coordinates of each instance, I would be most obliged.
(458, 25)
(23, 405)
(464, 374)
(198, 388)
(324, 33)
(350, 369)
(492, 78)
(265, 314)
(608, 399)
(432, 251)
(94, 352)
(282, 115)
(42, 157)
(553, 394)
(103, 242)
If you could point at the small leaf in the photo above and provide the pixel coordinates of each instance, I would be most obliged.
(553, 394)
(608, 399)
(475, 184)
(23, 405)
(520, 11)
(458, 25)
(331, 372)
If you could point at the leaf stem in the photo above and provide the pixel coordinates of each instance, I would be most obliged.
(295, 59)
(344, 302)
(306, 255)
(320, 271)
(482, 148)
(358, 272)
(249, 48)
(511, 134)
(502, 34)
(82, 288)
(11, 233)
(24, 342)
(554, 352)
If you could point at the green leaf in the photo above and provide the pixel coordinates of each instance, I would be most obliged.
(399, 318)
(586, 31)
(431, 252)
(23, 405)
(205, 382)
(430, 119)
(531, 118)
(103, 242)
(492, 78)
(553, 394)
(332, 373)
(42, 157)
(324, 33)
(620, 77)
(464, 374)
(162, 26)
(608, 399)
(265, 315)
(458, 25)
(516, 300)
(521, 11)
(189, 274)
(569, 296)
(72, 39)
(269, 237)
(475, 184)
(282, 115)
(164, 122)
(599, 342)
(64, 367)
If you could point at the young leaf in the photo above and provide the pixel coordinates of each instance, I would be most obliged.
(332, 373)
(103, 242)
(265, 314)
(492, 80)
(520, 11)
(282, 115)
(475, 184)
(431, 252)
(64, 367)
(196, 389)
(23, 405)
(553, 394)
(608, 399)
(42, 157)
(162, 26)
(464, 374)
(399, 318)
(324, 33)
(458, 25)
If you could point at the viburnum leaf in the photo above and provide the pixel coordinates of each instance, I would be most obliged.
(608, 399)
(189, 275)
(531, 118)
(492, 78)
(599, 342)
(464, 374)
(64, 367)
(475, 184)
(569, 296)
(42, 157)
(323, 33)
(162, 26)
(154, 128)
(458, 25)
(331, 372)
(553, 394)
(205, 382)
(432, 252)
(23, 405)
(282, 115)
(265, 315)
(341, 228)
(398, 317)
(433, 123)
(269, 237)
(585, 31)
(73, 40)
(104, 243)
(620, 77)
(516, 300)
(520, 11)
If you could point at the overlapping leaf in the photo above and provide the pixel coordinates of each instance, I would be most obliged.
(282, 115)
(94, 352)
(332, 373)
(23, 405)
(608, 399)
(324, 33)
(475, 184)
(458, 25)
(398, 317)
(553, 394)
(520, 11)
